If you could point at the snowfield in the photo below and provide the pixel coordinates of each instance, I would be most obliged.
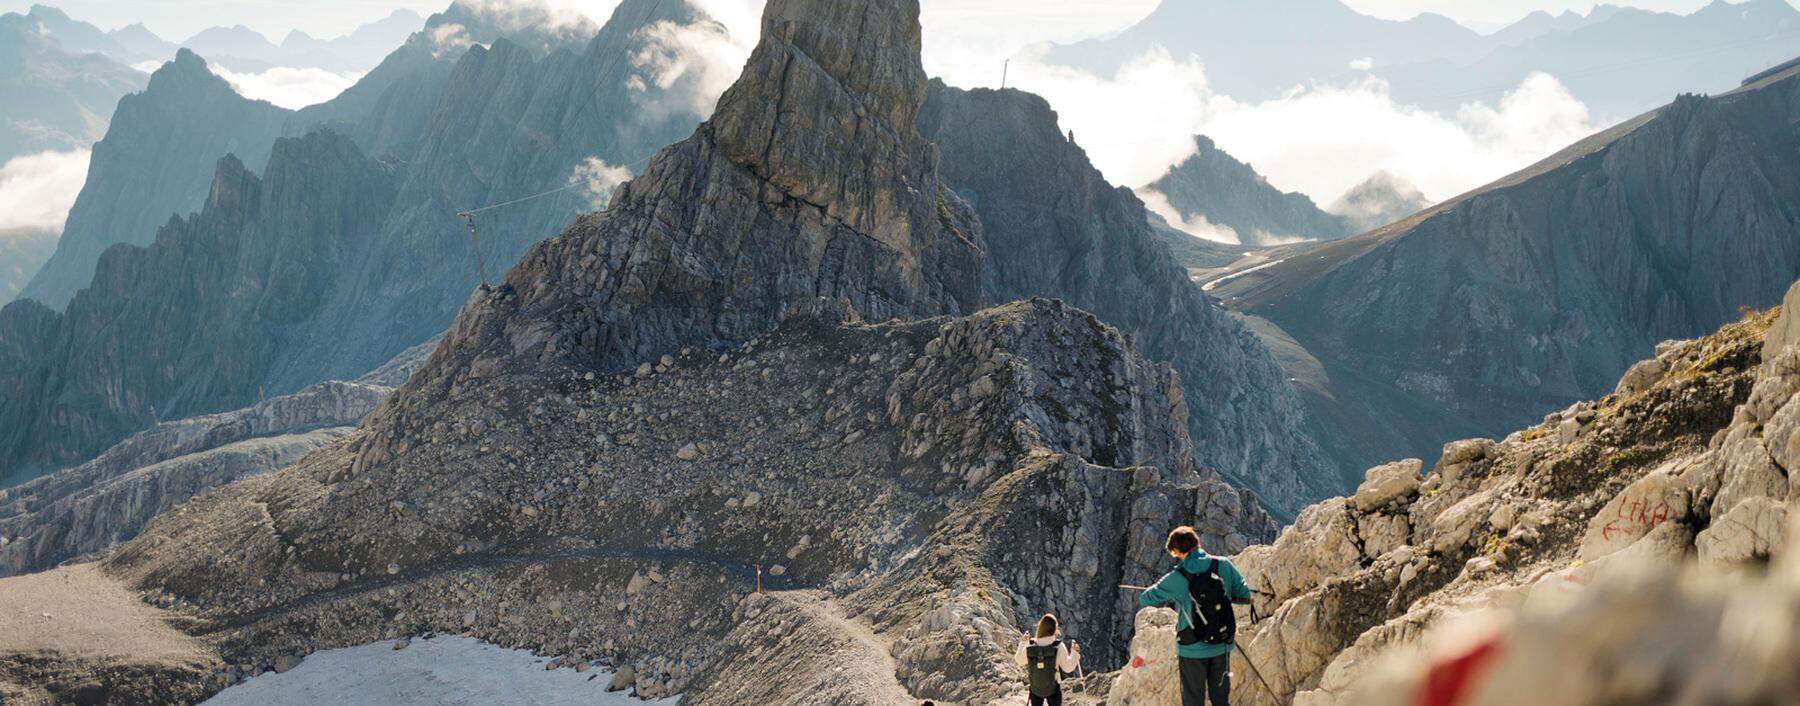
(447, 670)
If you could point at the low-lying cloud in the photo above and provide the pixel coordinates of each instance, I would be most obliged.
(683, 69)
(1319, 140)
(37, 190)
(288, 87)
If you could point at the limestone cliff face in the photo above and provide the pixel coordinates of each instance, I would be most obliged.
(1683, 461)
(1055, 228)
(194, 322)
(1228, 193)
(1484, 313)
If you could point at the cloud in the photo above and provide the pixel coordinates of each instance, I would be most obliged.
(1363, 64)
(1196, 226)
(1319, 140)
(37, 190)
(288, 87)
(690, 66)
(447, 39)
(1324, 141)
(598, 180)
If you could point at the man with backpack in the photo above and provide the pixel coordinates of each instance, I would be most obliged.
(1202, 589)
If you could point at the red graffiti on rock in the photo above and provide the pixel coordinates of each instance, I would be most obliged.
(1635, 518)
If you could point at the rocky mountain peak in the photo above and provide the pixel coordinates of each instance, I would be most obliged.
(824, 195)
(845, 82)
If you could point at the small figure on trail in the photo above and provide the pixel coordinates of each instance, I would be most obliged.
(1202, 589)
(1045, 658)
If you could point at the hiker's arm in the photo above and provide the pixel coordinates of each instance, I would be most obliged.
(1240, 591)
(1066, 659)
(1158, 594)
(1019, 654)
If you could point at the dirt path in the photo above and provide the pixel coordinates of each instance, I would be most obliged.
(477, 562)
(874, 652)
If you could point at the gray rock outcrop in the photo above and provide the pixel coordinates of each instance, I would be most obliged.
(1682, 465)
(1055, 228)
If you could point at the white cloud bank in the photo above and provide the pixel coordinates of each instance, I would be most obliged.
(690, 66)
(37, 190)
(288, 87)
(1320, 141)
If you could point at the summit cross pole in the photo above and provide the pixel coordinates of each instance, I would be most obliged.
(1004, 69)
(476, 241)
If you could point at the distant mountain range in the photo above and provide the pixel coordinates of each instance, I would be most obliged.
(1214, 196)
(1619, 61)
(238, 48)
(52, 97)
(1485, 312)
(322, 240)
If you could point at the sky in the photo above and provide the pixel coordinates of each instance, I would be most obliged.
(1318, 140)
(177, 19)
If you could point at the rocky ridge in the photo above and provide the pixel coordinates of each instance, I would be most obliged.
(1055, 228)
(922, 484)
(85, 509)
(1684, 459)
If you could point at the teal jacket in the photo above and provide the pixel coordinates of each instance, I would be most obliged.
(1173, 589)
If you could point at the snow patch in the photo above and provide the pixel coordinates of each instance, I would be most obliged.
(448, 670)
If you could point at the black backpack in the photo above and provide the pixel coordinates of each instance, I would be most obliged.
(1040, 667)
(1213, 622)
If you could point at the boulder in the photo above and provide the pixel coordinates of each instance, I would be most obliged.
(1754, 530)
(1387, 484)
(1657, 498)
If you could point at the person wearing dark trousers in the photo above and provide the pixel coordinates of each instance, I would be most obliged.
(1045, 658)
(1202, 589)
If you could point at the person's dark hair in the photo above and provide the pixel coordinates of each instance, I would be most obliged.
(1183, 540)
(1046, 626)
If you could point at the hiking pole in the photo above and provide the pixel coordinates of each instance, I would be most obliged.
(1256, 673)
(1130, 587)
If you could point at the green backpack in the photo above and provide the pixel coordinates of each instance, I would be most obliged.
(1040, 666)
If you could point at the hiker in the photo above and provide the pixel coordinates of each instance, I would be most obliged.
(1044, 658)
(1202, 589)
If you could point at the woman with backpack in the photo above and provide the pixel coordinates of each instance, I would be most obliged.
(1045, 658)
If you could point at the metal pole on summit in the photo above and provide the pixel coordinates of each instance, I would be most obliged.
(1004, 69)
(476, 240)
